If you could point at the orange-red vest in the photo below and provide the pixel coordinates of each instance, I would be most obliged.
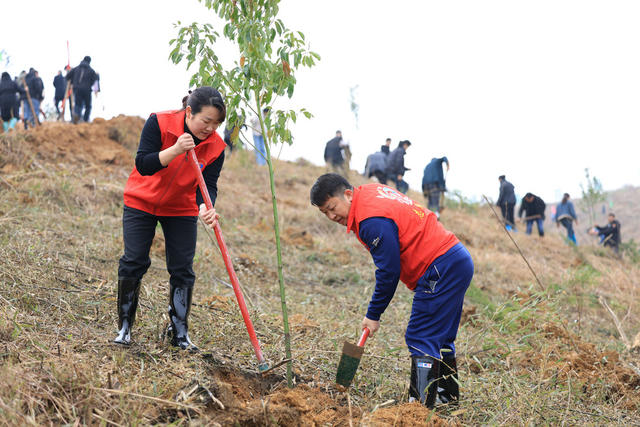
(172, 190)
(422, 237)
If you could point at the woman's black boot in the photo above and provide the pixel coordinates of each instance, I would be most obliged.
(179, 307)
(128, 290)
(448, 389)
(424, 380)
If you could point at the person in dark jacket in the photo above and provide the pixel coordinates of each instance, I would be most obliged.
(163, 188)
(36, 93)
(609, 234)
(60, 84)
(333, 154)
(533, 207)
(82, 78)
(386, 147)
(433, 183)
(566, 215)
(507, 202)
(9, 91)
(395, 166)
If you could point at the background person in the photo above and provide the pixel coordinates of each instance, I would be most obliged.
(9, 91)
(609, 234)
(60, 85)
(163, 188)
(258, 139)
(396, 168)
(333, 154)
(433, 183)
(82, 78)
(533, 207)
(507, 202)
(407, 243)
(566, 215)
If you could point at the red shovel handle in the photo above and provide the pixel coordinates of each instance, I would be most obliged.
(363, 337)
(262, 365)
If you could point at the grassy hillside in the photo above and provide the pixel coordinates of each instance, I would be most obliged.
(528, 353)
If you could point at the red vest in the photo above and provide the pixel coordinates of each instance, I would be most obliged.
(422, 237)
(172, 190)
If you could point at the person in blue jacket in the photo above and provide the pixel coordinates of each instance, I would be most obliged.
(433, 183)
(566, 215)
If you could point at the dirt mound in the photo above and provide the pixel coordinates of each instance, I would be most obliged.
(406, 415)
(101, 142)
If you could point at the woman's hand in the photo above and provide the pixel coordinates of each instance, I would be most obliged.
(373, 325)
(209, 216)
(183, 144)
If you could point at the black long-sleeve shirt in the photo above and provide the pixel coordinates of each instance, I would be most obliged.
(148, 157)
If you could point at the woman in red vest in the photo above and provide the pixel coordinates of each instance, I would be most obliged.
(162, 188)
(407, 243)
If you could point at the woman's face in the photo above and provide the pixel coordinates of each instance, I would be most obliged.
(204, 123)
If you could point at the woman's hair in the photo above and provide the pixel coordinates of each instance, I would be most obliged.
(205, 96)
(6, 76)
(565, 197)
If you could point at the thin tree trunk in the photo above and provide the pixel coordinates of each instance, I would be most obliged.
(276, 229)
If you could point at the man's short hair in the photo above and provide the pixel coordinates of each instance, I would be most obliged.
(327, 186)
(502, 178)
(388, 139)
(612, 214)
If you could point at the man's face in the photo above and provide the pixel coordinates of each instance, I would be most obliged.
(336, 208)
(529, 199)
(611, 219)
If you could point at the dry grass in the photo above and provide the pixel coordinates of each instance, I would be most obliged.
(527, 356)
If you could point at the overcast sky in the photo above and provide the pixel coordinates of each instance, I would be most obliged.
(534, 90)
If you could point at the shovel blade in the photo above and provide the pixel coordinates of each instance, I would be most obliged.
(349, 362)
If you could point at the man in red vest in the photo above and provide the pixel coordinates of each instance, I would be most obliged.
(408, 243)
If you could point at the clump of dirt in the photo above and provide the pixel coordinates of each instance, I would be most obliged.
(405, 415)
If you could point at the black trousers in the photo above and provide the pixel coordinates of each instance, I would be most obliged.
(83, 101)
(180, 233)
(507, 213)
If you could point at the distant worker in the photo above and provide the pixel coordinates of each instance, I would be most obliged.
(163, 189)
(9, 91)
(386, 148)
(258, 138)
(36, 93)
(377, 164)
(407, 243)
(60, 85)
(566, 215)
(433, 183)
(507, 202)
(396, 168)
(609, 234)
(533, 207)
(333, 154)
(82, 78)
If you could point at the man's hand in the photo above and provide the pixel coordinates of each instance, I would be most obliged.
(210, 217)
(373, 325)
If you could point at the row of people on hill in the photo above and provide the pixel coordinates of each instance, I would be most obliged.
(21, 97)
(533, 208)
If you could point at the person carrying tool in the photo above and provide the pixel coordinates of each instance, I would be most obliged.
(163, 188)
(533, 207)
(566, 215)
(433, 183)
(82, 78)
(408, 243)
(507, 202)
(609, 234)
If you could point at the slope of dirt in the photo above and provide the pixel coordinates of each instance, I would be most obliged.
(541, 353)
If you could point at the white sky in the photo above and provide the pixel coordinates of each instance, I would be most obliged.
(535, 90)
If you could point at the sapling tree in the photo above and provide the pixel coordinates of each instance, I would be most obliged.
(258, 78)
(592, 194)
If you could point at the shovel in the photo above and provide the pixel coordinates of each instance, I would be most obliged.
(262, 364)
(350, 360)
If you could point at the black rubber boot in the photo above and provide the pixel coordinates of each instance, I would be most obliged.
(448, 389)
(179, 307)
(128, 290)
(424, 380)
